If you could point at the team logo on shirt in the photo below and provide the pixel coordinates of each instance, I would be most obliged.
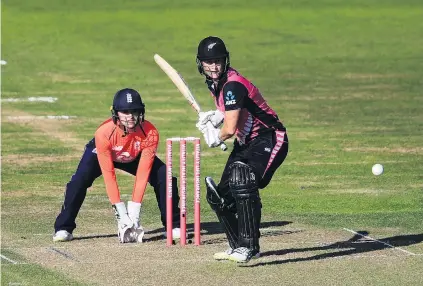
(137, 145)
(230, 98)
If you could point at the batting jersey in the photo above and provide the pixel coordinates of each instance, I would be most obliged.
(256, 116)
(113, 145)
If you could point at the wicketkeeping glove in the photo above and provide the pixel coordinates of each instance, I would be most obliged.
(124, 223)
(137, 231)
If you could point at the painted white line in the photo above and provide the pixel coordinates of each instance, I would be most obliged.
(31, 99)
(374, 239)
(65, 117)
(8, 259)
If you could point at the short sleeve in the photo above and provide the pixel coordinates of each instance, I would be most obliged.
(234, 94)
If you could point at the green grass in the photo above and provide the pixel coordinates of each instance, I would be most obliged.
(346, 78)
(32, 274)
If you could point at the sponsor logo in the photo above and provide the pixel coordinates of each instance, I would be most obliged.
(267, 149)
(117, 148)
(230, 98)
(124, 157)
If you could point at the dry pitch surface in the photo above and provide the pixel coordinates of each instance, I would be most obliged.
(291, 255)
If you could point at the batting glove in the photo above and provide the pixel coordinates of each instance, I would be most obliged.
(216, 117)
(211, 136)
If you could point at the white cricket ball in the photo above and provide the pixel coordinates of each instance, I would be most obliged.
(377, 169)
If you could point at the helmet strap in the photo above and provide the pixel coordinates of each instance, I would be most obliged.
(139, 119)
(222, 75)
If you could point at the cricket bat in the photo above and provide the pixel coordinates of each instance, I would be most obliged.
(182, 86)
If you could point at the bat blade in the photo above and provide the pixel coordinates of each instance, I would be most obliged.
(182, 86)
(178, 81)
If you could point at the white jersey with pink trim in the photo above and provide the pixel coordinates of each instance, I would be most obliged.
(256, 115)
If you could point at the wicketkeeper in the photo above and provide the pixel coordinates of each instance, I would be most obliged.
(260, 147)
(129, 143)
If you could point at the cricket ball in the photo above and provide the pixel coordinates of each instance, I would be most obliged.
(377, 169)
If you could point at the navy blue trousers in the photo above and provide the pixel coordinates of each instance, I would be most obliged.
(89, 169)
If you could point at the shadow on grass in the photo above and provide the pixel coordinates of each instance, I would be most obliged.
(207, 228)
(211, 228)
(355, 245)
(94, 236)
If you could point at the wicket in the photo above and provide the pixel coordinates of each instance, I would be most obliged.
(183, 189)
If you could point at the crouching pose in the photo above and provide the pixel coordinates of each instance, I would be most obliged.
(260, 147)
(129, 143)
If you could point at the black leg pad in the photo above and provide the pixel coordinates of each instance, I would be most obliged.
(225, 210)
(244, 189)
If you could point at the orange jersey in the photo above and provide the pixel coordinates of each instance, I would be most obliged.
(112, 146)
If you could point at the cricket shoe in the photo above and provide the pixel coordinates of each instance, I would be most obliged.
(62, 235)
(243, 255)
(223, 255)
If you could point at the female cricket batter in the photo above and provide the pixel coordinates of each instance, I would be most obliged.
(260, 147)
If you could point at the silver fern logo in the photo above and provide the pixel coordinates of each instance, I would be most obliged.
(209, 47)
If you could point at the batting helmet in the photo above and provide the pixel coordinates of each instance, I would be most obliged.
(211, 48)
(127, 99)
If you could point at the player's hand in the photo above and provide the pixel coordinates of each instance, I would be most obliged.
(201, 126)
(137, 233)
(211, 136)
(124, 223)
(203, 118)
(214, 116)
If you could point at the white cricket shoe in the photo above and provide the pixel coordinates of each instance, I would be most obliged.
(62, 235)
(243, 255)
(223, 255)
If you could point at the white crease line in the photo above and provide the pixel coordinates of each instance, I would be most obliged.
(8, 259)
(374, 239)
(31, 99)
(66, 117)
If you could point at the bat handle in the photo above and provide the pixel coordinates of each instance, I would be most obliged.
(223, 147)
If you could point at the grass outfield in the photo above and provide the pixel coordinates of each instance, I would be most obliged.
(345, 77)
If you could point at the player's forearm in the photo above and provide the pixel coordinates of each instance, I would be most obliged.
(109, 175)
(112, 188)
(225, 133)
(229, 124)
(143, 173)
